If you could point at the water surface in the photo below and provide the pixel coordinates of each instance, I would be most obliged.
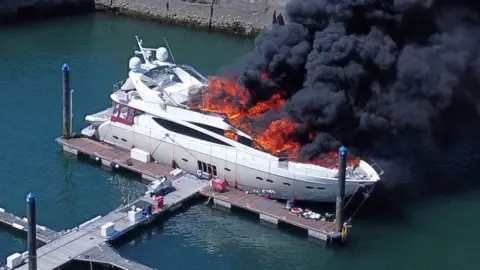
(436, 233)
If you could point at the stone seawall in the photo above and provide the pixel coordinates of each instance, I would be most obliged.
(244, 17)
(15, 10)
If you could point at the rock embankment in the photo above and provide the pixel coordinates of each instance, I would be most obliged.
(244, 17)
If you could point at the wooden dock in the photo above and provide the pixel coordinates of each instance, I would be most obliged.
(44, 234)
(86, 242)
(271, 211)
(108, 154)
(267, 210)
(76, 243)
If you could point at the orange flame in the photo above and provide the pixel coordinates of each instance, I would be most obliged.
(230, 134)
(227, 97)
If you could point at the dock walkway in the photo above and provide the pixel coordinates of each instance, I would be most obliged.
(267, 210)
(271, 211)
(85, 242)
(88, 236)
(109, 154)
(44, 234)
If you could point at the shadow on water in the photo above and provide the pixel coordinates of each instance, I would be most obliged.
(68, 158)
(34, 12)
(68, 188)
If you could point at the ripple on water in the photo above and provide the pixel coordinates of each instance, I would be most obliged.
(211, 237)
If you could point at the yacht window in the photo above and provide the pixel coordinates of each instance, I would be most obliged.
(219, 131)
(183, 130)
(270, 181)
(245, 141)
(131, 114)
(116, 109)
(207, 168)
(123, 112)
(309, 187)
(138, 112)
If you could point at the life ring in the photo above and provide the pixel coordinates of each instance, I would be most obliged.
(296, 210)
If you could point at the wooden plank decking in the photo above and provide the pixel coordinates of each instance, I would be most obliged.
(84, 241)
(108, 154)
(270, 211)
(86, 238)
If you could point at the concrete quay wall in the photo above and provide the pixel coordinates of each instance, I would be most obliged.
(243, 17)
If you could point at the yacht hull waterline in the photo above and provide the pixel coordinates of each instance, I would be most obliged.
(149, 113)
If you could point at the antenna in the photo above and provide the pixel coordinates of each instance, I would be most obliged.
(169, 51)
(142, 51)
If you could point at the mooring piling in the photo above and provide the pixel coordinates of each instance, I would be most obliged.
(67, 102)
(342, 166)
(32, 232)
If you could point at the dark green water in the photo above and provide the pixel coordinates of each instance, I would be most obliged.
(439, 232)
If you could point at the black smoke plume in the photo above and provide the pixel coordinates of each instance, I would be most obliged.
(382, 76)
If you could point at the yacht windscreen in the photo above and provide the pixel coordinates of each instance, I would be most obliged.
(238, 138)
(192, 72)
(156, 70)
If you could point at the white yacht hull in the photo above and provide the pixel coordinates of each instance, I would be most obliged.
(247, 175)
(151, 111)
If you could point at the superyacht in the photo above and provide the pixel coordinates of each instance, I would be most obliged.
(150, 112)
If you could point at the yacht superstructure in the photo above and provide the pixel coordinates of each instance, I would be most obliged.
(150, 112)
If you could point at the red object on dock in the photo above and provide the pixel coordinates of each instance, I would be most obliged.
(219, 185)
(159, 202)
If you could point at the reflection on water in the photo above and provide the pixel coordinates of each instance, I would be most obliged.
(68, 188)
(202, 231)
(128, 189)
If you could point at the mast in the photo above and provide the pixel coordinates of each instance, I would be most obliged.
(142, 50)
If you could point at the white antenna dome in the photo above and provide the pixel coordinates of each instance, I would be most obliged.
(162, 54)
(135, 63)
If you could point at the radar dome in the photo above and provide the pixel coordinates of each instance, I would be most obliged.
(162, 54)
(135, 63)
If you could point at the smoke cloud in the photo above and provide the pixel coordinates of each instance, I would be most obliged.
(381, 76)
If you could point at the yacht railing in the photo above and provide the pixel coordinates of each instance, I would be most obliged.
(374, 165)
(118, 86)
(195, 74)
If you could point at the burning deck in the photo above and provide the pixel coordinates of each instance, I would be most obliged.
(263, 121)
